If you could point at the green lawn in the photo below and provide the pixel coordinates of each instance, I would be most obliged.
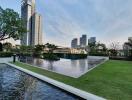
(111, 80)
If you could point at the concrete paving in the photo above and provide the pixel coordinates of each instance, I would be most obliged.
(4, 60)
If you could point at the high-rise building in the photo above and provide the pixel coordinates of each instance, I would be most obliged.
(33, 23)
(129, 39)
(37, 29)
(83, 41)
(92, 40)
(74, 43)
(127, 47)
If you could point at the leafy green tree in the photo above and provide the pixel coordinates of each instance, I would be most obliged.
(114, 47)
(26, 50)
(7, 46)
(98, 49)
(113, 52)
(16, 49)
(38, 50)
(103, 46)
(11, 25)
(51, 47)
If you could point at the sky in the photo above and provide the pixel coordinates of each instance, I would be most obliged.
(107, 20)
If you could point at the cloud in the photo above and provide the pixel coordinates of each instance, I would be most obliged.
(105, 19)
(60, 23)
(108, 20)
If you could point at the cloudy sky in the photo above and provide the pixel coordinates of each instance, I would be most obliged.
(108, 20)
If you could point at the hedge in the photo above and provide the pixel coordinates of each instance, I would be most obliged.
(6, 54)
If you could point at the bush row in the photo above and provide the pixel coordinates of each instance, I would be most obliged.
(98, 54)
(50, 56)
(6, 54)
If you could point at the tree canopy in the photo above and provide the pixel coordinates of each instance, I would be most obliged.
(11, 25)
(7, 46)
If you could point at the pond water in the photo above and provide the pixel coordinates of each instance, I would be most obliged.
(72, 68)
(16, 85)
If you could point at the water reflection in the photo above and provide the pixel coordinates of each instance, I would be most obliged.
(73, 68)
(16, 85)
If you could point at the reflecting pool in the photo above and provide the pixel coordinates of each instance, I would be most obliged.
(16, 85)
(72, 68)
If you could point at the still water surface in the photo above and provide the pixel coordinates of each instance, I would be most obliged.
(16, 85)
(72, 68)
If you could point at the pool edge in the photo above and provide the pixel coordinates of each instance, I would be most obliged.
(60, 85)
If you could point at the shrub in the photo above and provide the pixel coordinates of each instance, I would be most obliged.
(50, 56)
(26, 54)
(98, 54)
(6, 54)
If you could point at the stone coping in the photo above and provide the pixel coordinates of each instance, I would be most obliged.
(106, 59)
(7, 59)
(68, 88)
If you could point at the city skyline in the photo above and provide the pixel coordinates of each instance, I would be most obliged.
(64, 20)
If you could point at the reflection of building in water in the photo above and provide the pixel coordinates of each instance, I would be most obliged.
(28, 85)
(83, 64)
(16, 84)
(74, 63)
(50, 65)
(38, 62)
(1, 78)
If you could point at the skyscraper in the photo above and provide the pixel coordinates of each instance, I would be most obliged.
(33, 23)
(83, 41)
(130, 39)
(74, 43)
(37, 29)
(92, 40)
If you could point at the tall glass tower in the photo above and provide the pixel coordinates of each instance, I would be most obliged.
(83, 41)
(28, 15)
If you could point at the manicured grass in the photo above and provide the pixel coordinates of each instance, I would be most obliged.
(111, 80)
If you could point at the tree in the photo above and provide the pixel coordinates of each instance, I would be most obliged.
(11, 25)
(114, 47)
(7, 46)
(102, 46)
(51, 47)
(26, 50)
(38, 50)
(98, 49)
